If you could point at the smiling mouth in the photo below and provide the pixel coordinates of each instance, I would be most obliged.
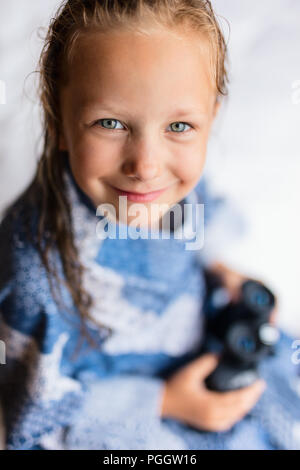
(140, 197)
(139, 194)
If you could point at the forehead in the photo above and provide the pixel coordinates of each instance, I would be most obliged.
(160, 66)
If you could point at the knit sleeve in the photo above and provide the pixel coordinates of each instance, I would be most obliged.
(224, 223)
(36, 396)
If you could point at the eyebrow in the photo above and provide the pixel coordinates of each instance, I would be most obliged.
(187, 111)
(176, 112)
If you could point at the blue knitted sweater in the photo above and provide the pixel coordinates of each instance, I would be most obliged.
(148, 293)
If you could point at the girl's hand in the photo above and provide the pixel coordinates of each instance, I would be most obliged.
(186, 398)
(232, 281)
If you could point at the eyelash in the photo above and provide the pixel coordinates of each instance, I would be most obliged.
(116, 120)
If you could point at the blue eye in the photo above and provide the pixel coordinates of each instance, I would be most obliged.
(180, 130)
(110, 123)
(177, 127)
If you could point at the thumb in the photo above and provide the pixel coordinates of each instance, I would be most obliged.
(201, 367)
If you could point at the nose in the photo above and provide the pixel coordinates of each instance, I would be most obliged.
(140, 162)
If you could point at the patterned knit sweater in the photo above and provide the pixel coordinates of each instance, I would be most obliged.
(148, 293)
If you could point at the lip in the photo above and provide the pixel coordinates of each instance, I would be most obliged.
(140, 197)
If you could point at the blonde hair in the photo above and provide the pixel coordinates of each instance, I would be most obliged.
(73, 18)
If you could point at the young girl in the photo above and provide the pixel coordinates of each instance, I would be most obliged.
(103, 333)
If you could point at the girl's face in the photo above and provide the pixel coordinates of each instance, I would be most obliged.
(136, 115)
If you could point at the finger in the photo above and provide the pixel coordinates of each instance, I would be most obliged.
(247, 404)
(239, 396)
(236, 406)
(274, 316)
(233, 284)
(250, 397)
(201, 367)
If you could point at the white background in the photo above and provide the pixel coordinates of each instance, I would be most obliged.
(254, 154)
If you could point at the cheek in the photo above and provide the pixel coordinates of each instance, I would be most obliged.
(190, 163)
(93, 158)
